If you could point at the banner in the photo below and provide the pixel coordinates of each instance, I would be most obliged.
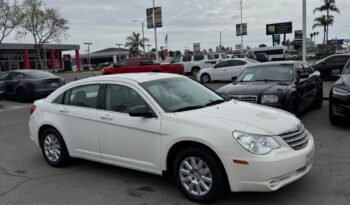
(157, 17)
(244, 28)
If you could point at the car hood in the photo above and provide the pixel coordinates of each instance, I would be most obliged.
(246, 117)
(249, 88)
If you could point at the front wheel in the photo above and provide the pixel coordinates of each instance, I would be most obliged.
(199, 175)
(318, 101)
(22, 95)
(205, 78)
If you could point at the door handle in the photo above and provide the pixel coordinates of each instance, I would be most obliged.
(106, 118)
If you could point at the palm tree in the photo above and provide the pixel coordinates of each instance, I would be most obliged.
(134, 42)
(323, 22)
(328, 6)
(311, 36)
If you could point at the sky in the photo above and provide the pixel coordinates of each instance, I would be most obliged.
(108, 22)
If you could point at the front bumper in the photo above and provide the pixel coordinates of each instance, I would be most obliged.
(42, 93)
(340, 105)
(270, 172)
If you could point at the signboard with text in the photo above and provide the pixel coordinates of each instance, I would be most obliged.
(157, 17)
(279, 28)
(196, 47)
(244, 28)
(298, 34)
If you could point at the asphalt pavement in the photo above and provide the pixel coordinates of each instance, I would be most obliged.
(25, 177)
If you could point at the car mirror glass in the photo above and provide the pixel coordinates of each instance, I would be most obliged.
(234, 78)
(141, 111)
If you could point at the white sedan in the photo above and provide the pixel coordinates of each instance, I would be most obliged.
(160, 123)
(225, 70)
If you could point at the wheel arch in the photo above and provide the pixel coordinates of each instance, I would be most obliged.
(46, 126)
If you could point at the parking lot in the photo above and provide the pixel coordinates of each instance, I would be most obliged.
(25, 177)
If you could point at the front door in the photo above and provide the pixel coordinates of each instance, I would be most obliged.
(132, 142)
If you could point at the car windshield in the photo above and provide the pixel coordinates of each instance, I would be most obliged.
(268, 73)
(181, 94)
(41, 74)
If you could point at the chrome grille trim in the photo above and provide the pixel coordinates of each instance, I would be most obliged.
(297, 138)
(244, 98)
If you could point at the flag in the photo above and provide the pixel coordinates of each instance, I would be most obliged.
(166, 39)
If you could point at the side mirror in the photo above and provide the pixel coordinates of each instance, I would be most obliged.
(234, 78)
(303, 75)
(141, 111)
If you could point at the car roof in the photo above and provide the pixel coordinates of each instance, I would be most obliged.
(136, 77)
(277, 63)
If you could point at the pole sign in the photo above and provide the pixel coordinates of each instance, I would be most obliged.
(279, 28)
(298, 34)
(277, 38)
(157, 17)
(196, 47)
(244, 28)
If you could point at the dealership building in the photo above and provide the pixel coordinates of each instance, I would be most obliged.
(25, 56)
(106, 55)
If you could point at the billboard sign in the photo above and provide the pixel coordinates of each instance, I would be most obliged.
(279, 28)
(157, 17)
(244, 28)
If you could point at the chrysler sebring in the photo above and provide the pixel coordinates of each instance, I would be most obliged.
(166, 123)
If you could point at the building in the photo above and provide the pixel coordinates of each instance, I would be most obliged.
(25, 56)
(106, 55)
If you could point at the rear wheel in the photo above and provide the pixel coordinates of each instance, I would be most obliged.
(293, 106)
(318, 101)
(199, 175)
(205, 78)
(195, 70)
(54, 149)
(22, 95)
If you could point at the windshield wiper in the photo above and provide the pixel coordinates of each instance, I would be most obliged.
(189, 108)
(214, 102)
(268, 80)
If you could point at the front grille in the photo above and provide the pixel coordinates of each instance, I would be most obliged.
(297, 138)
(245, 98)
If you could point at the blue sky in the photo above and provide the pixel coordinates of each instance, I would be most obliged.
(107, 22)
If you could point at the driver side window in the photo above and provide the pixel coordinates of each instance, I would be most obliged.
(223, 64)
(121, 98)
(4, 76)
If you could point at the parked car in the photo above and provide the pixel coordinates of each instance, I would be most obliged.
(224, 70)
(158, 123)
(27, 85)
(2, 90)
(292, 86)
(137, 65)
(339, 98)
(274, 53)
(194, 63)
(332, 65)
(261, 57)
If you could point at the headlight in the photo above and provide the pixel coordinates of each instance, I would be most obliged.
(340, 91)
(269, 99)
(256, 144)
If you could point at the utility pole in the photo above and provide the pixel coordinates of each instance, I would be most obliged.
(155, 31)
(88, 45)
(304, 31)
(242, 27)
(148, 46)
(220, 33)
(143, 33)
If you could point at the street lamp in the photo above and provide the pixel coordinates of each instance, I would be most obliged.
(155, 30)
(304, 31)
(220, 31)
(118, 44)
(88, 45)
(143, 33)
(148, 46)
(241, 27)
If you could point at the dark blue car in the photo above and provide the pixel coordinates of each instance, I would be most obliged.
(2, 90)
(28, 85)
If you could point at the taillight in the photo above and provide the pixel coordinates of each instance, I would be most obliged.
(32, 109)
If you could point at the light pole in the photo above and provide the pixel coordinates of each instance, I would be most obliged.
(143, 33)
(242, 27)
(155, 30)
(88, 45)
(118, 44)
(220, 31)
(148, 46)
(304, 31)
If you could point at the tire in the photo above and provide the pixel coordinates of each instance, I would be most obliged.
(22, 95)
(54, 149)
(318, 101)
(205, 78)
(293, 106)
(195, 70)
(198, 178)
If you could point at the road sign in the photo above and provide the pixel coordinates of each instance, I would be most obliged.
(277, 38)
(157, 17)
(244, 28)
(279, 28)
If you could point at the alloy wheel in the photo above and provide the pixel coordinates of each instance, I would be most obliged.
(52, 148)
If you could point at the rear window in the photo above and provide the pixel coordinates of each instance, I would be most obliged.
(186, 58)
(41, 74)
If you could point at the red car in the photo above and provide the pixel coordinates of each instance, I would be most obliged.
(137, 65)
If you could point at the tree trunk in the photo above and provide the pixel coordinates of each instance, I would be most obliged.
(327, 25)
(40, 58)
(324, 35)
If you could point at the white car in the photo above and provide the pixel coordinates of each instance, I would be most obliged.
(160, 123)
(225, 70)
(194, 63)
